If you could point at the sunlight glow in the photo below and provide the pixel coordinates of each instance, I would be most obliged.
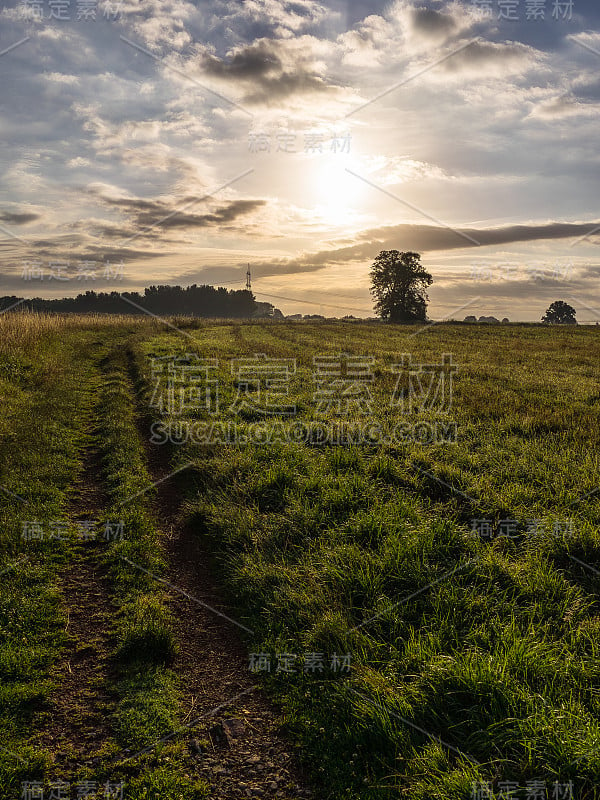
(338, 196)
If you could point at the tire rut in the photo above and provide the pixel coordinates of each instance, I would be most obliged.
(77, 723)
(239, 748)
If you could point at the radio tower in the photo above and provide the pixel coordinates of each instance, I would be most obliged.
(248, 280)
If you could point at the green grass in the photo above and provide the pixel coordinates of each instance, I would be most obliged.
(470, 659)
(66, 388)
(149, 703)
(45, 395)
(489, 674)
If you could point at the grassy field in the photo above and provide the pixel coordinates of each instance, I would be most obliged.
(412, 572)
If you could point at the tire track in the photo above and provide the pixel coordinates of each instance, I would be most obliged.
(77, 723)
(240, 750)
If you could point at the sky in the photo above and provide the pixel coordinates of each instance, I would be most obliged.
(176, 142)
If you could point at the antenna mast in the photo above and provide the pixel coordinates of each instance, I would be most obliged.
(248, 279)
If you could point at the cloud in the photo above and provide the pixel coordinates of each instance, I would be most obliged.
(59, 77)
(431, 23)
(500, 131)
(248, 63)
(492, 58)
(423, 238)
(146, 213)
(284, 18)
(19, 218)
(393, 170)
(563, 107)
(74, 163)
(269, 70)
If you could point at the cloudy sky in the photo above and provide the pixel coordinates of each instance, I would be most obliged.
(168, 141)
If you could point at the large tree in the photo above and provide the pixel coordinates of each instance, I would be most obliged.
(398, 283)
(559, 313)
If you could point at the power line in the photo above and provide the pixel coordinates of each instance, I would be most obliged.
(313, 302)
(236, 283)
(297, 299)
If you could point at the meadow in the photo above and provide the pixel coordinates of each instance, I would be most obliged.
(401, 525)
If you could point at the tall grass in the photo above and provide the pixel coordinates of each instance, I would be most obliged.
(20, 330)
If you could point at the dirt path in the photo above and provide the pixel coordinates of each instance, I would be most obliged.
(77, 724)
(238, 747)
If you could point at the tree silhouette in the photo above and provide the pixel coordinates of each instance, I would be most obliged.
(398, 283)
(193, 301)
(559, 313)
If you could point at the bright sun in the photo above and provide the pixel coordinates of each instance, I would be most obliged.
(338, 195)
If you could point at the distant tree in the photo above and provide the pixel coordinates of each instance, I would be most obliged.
(398, 284)
(559, 313)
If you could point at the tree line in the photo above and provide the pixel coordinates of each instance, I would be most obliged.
(194, 301)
